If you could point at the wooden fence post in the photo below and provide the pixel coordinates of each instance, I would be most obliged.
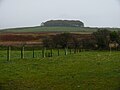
(33, 53)
(65, 51)
(75, 51)
(51, 52)
(70, 51)
(22, 52)
(43, 52)
(8, 53)
(58, 52)
(79, 50)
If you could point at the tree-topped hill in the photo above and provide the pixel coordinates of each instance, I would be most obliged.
(63, 23)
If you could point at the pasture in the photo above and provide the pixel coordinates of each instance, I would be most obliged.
(82, 30)
(50, 29)
(89, 70)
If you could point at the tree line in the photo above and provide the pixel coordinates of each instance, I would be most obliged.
(102, 39)
(63, 23)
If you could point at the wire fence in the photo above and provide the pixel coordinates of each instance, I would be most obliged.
(8, 53)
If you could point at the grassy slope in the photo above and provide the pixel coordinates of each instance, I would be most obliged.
(83, 71)
(54, 29)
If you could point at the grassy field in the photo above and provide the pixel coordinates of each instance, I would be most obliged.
(55, 29)
(89, 70)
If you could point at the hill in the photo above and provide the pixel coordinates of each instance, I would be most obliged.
(55, 29)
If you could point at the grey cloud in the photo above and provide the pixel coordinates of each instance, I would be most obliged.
(16, 13)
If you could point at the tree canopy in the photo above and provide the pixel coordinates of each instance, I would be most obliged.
(63, 23)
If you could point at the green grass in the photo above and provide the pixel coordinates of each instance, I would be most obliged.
(50, 29)
(82, 71)
(54, 29)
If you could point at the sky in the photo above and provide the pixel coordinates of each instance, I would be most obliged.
(28, 13)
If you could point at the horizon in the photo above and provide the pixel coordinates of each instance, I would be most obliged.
(22, 27)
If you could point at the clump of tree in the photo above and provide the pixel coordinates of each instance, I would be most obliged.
(115, 36)
(59, 40)
(89, 43)
(99, 40)
(104, 37)
(48, 42)
(63, 23)
(63, 40)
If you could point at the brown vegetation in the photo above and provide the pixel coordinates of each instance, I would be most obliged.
(32, 38)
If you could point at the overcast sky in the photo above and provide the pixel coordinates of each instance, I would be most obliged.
(97, 13)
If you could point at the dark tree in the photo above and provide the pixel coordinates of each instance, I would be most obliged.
(62, 40)
(102, 37)
(114, 36)
(76, 43)
(63, 23)
(89, 43)
(48, 42)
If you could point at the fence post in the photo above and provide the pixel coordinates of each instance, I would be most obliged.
(75, 51)
(51, 52)
(70, 51)
(79, 50)
(8, 53)
(58, 52)
(33, 53)
(65, 51)
(43, 52)
(22, 52)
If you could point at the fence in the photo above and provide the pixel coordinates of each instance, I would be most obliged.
(22, 53)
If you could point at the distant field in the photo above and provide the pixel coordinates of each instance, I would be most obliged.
(55, 29)
(83, 71)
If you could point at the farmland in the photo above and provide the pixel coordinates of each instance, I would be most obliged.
(87, 70)
(91, 70)
(55, 29)
(50, 29)
(35, 35)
